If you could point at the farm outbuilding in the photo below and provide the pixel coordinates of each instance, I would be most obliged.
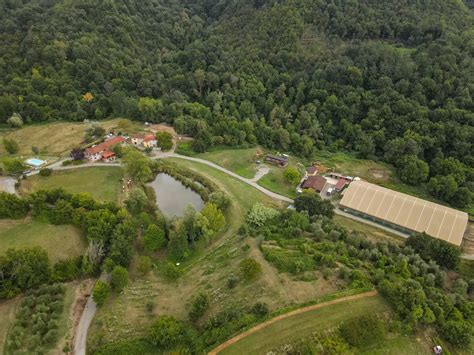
(403, 212)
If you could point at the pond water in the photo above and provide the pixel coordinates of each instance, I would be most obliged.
(172, 196)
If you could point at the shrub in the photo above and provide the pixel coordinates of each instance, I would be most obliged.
(11, 146)
(150, 306)
(260, 214)
(250, 268)
(12, 206)
(144, 265)
(260, 309)
(457, 332)
(101, 292)
(199, 305)
(292, 175)
(363, 331)
(171, 271)
(119, 278)
(232, 281)
(167, 332)
(46, 172)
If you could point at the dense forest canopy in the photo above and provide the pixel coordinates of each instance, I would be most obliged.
(391, 80)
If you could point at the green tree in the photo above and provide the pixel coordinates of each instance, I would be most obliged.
(15, 120)
(412, 170)
(119, 278)
(101, 292)
(311, 202)
(259, 214)
(136, 201)
(137, 166)
(165, 140)
(363, 331)
(11, 146)
(154, 238)
(292, 175)
(167, 332)
(214, 216)
(199, 305)
(13, 165)
(144, 264)
(178, 241)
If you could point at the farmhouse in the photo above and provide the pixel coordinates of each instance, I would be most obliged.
(316, 183)
(405, 213)
(96, 153)
(277, 160)
(149, 141)
(108, 156)
(137, 139)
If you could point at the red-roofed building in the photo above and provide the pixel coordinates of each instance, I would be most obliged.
(95, 153)
(311, 171)
(341, 184)
(108, 156)
(315, 183)
(149, 141)
(137, 139)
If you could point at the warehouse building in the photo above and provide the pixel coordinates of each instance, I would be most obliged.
(404, 213)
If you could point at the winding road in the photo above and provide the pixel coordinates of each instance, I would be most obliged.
(80, 338)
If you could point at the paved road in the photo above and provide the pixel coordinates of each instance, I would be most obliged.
(80, 338)
(287, 315)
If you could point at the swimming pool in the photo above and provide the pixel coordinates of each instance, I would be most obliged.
(35, 162)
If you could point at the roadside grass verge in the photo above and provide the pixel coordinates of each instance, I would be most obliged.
(61, 242)
(7, 317)
(103, 183)
(373, 233)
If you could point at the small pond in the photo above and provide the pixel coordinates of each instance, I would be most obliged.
(172, 196)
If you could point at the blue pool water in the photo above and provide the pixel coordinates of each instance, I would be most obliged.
(35, 162)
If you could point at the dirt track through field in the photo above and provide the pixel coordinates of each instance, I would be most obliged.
(287, 315)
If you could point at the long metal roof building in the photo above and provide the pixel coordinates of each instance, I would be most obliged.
(407, 212)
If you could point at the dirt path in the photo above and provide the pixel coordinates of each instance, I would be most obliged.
(287, 315)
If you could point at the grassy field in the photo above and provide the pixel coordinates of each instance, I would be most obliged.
(60, 242)
(300, 326)
(103, 183)
(240, 161)
(57, 139)
(7, 317)
(276, 182)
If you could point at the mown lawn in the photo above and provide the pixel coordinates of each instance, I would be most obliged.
(61, 242)
(103, 183)
(303, 325)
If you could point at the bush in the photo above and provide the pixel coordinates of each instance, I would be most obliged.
(12, 206)
(11, 146)
(167, 332)
(171, 271)
(363, 331)
(150, 306)
(199, 305)
(144, 265)
(119, 278)
(260, 309)
(457, 332)
(101, 292)
(232, 281)
(250, 269)
(46, 172)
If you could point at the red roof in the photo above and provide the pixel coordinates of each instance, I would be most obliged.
(138, 136)
(105, 145)
(107, 154)
(316, 182)
(149, 137)
(311, 170)
(340, 184)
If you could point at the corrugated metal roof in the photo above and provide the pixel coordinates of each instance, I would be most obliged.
(406, 211)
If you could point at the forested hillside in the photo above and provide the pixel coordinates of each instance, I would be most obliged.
(391, 80)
